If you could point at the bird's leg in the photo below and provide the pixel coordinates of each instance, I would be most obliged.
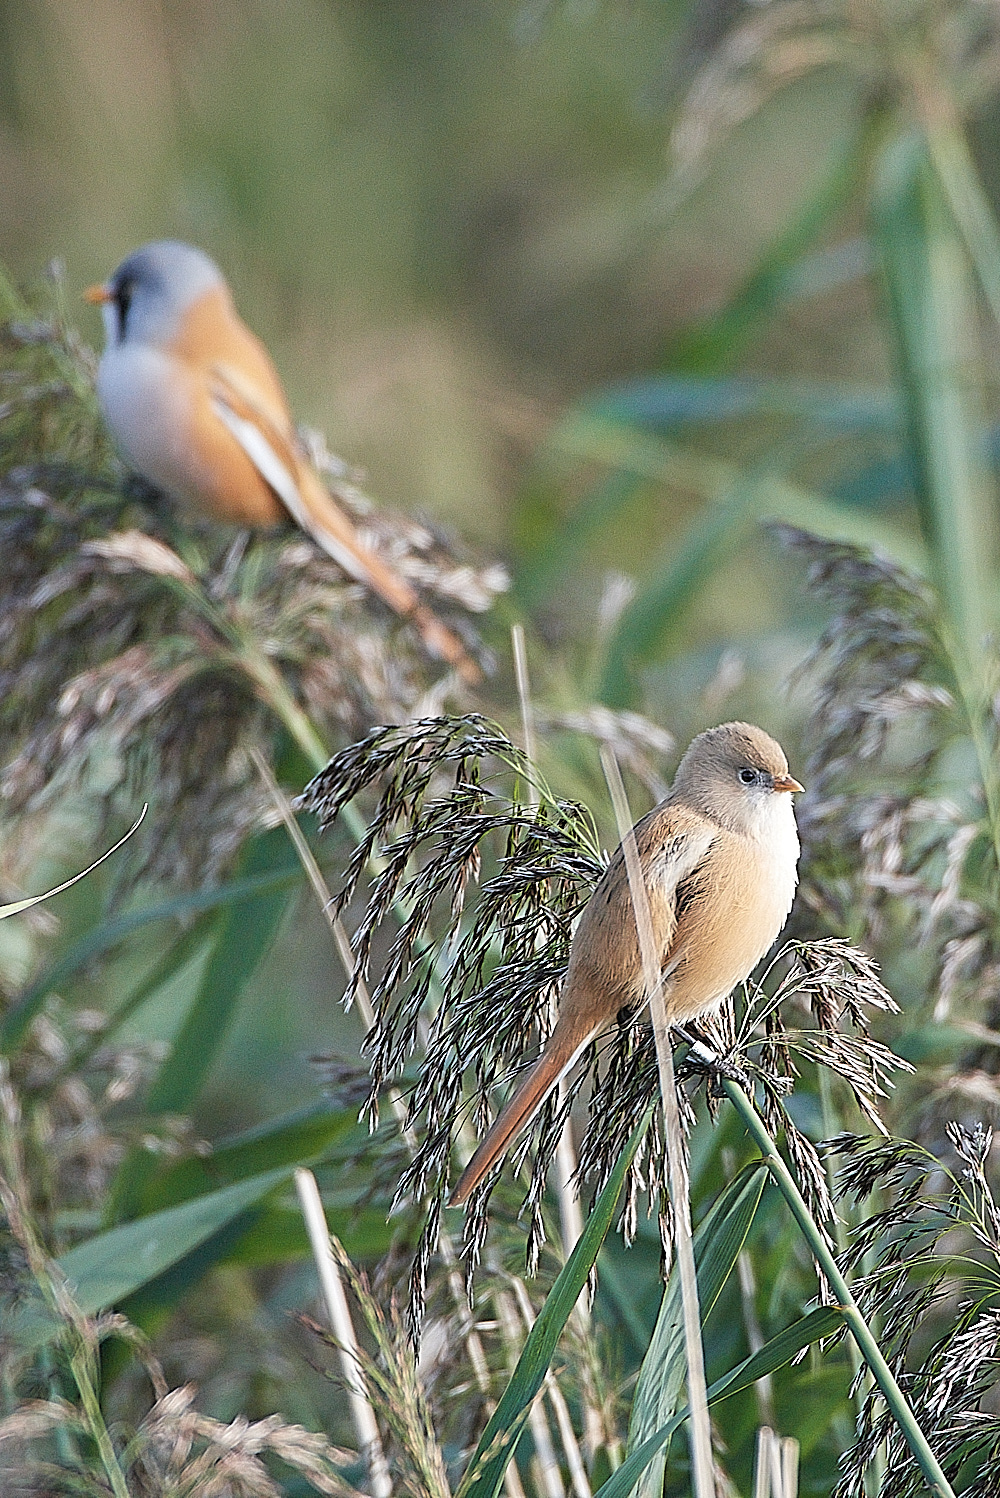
(707, 1060)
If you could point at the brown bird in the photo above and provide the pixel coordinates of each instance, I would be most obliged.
(196, 406)
(719, 859)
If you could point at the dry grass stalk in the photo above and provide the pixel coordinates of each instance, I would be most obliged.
(369, 1439)
(567, 1178)
(393, 1385)
(776, 1470)
(703, 1467)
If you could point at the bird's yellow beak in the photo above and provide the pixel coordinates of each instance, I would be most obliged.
(787, 783)
(98, 294)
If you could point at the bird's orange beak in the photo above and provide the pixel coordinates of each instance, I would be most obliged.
(787, 783)
(98, 294)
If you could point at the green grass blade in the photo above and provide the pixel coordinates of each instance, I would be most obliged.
(309, 1136)
(671, 403)
(278, 1235)
(178, 955)
(567, 542)
(116, 1263)
(112, 933)
(928, 279)
(299, 1138)
(484, 1475)
(736, 501)
(960, 182)
(650, 621)
(247, 931)
(112, 1265)
(822, 1322)
(716, 342)
(867, 1342)
(717, 1245)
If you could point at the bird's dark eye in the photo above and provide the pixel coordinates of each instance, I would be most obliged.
(748, 776)
(123, 301)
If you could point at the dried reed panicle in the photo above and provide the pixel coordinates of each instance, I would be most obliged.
(175, 1452)
(471, 980)
(135, 644)
(756, 51)
(927, 1262)
(178, 1451)
(395, 1386)
(897, 841)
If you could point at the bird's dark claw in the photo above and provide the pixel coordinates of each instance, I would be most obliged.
(708, 1061)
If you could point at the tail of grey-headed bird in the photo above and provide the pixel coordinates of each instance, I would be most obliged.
(552, 1065)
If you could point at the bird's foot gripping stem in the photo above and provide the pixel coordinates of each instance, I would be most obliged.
(705, 1059)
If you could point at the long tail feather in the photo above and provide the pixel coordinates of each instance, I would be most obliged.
(312, 507)
(553, 1064)
(332, 530)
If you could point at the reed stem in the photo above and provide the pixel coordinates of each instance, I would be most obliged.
(847, 1305)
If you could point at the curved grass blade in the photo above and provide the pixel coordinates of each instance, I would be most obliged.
(485, 1472)
(112, 933)
(112, 1265)
(820, 1323)
(717, 1245)
(301, 1137)
(116, 1263)
(18, 905)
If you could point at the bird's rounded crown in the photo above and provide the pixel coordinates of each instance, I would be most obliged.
(727, 769)
(733, 745)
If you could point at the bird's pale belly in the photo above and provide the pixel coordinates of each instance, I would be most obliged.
(717, 950)
(165, 427)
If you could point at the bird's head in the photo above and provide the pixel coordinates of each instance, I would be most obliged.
(737, 775)
(145, 299)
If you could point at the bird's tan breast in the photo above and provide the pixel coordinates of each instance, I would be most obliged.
(729, 915)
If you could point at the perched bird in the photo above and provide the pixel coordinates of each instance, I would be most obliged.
(196, 407)
(719, 859)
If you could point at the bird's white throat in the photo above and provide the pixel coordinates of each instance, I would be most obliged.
(772, 822)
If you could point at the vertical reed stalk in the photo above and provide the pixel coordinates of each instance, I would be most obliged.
(339, 1315)
(699, 1423)
(847, 1305)
(570, 1215)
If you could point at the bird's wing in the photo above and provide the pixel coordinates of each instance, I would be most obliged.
(274, 454)
(672, 843)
